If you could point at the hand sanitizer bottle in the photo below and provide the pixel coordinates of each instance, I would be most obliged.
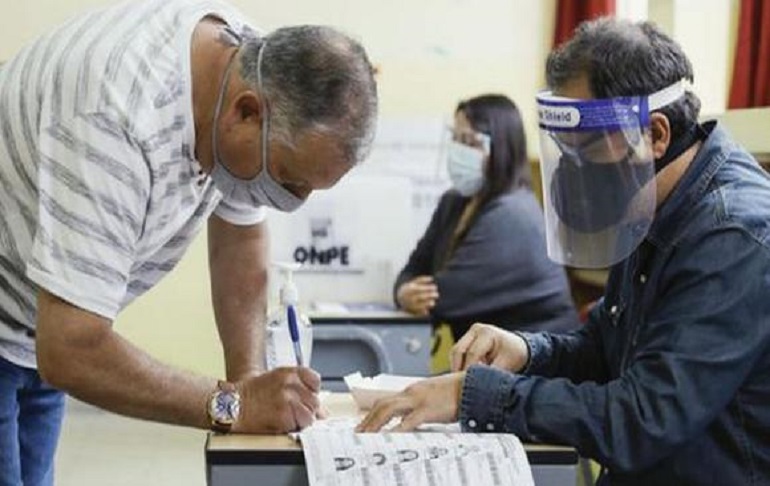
(287, 326)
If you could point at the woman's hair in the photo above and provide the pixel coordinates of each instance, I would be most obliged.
(497, 116)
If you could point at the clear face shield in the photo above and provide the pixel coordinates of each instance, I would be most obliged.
(598, 175)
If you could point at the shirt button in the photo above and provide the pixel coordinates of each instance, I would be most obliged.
(490, 427)
(472, 423)
(642, 278)
(614, 310)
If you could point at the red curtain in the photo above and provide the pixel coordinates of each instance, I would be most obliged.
(569, 13)
(751, 72)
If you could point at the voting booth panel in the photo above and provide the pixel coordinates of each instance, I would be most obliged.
(351, 240)
(371, 346)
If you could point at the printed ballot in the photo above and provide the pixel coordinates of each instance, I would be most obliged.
(336, 455)
(434, 454)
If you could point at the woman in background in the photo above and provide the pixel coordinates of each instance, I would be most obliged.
(483, 256)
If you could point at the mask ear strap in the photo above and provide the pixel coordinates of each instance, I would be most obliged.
(677, 147)
(265, 108)
(218, 108)
(235, 36)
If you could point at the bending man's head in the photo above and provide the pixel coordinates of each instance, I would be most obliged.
(301, 103)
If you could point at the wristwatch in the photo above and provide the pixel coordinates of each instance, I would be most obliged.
(224, 407)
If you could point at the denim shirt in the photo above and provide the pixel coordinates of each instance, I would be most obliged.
(669, 381)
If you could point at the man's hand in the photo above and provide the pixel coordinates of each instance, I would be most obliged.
(279, 401)
(418, 296)
(490, 345)
(434, 400)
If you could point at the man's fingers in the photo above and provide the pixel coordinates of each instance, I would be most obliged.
(378, 416)
(322, 413)
(301, 387)
(476, 346)
(381, 414)
(303, 416)
(310, 378)
(479, 352)
(411, 421)
(308, 398)
(457, 355)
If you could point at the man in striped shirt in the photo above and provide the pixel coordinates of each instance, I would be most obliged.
(121, 133)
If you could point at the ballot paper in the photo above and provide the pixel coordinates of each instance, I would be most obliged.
(335, 455)
(367, 390)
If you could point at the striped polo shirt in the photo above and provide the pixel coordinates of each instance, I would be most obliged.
(99, 193)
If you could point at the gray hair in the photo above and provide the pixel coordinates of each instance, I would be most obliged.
(623, 58)
(316, 80)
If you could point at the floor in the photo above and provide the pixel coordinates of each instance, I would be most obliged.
(100, 448)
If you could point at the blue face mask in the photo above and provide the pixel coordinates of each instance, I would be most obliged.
(466, 168)
(261, 190)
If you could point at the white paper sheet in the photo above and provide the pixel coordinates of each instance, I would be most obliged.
(367, 390)
(337, 456)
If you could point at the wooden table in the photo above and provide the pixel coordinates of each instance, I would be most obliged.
(247, 460)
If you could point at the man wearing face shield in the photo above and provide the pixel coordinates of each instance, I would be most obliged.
(124, 131)
(668, 382)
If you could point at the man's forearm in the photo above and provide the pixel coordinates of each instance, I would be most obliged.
(81, 354)
(240, 317)
(237, 262)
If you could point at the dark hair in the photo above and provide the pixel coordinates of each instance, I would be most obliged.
(316, 79)
(497, 116)
(624, 58)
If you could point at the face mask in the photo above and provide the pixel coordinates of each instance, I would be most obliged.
(466, 168)
(261, 190)
(588, 197)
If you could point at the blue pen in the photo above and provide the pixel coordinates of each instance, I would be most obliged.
(294, 331)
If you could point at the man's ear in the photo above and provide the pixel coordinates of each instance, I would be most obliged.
(661, 134)
(249, 107)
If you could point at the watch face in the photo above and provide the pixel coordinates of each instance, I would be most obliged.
(226, 407)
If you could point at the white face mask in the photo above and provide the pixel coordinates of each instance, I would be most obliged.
(261, 190)
(466, 167)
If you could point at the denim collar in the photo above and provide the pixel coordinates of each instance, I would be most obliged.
(692, 186)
